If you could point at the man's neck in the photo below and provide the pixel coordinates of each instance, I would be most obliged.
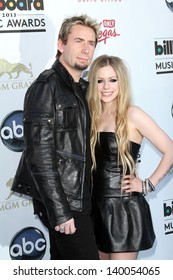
(76, 74)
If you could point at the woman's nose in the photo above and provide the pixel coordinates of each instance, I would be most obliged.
(106, 84)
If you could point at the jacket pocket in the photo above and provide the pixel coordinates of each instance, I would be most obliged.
(38, 129)
(70, 168)
(66, 113)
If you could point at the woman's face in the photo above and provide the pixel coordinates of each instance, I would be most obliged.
(107, 84)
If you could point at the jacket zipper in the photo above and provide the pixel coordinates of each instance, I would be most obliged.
(69, 155)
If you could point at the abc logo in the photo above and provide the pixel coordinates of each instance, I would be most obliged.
(28, 244)
(12, 131)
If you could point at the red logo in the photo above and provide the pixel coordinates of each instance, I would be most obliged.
(109, 30)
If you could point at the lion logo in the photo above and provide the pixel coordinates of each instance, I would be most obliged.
(10, 68)
(9, 185)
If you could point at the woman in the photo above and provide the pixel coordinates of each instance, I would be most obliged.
(122, 218)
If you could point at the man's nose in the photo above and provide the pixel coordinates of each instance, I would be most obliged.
(85, 48)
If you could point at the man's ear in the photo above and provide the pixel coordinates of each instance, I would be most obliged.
(60, 46)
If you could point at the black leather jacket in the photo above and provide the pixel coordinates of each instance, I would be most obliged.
(52, 166)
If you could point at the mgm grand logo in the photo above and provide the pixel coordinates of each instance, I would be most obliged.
(13, 70)
(10, 73)
(13, 201)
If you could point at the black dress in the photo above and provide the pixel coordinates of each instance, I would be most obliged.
(122, 221)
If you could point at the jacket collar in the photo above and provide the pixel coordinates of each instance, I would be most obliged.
(65, 75)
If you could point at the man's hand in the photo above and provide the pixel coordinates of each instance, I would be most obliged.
(67, 227)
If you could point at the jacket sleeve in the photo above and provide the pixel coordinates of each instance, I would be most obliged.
(40, 149)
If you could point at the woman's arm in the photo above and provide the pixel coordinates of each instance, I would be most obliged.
(148, 128)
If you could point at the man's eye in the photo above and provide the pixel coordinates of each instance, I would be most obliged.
(78, 40)
(93, 44)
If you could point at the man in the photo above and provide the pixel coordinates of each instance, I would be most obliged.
(55, 164)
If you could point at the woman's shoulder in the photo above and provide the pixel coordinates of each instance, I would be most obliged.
(134, 111)
(137, 116)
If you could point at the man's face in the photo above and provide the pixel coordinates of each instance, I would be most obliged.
(78, 52)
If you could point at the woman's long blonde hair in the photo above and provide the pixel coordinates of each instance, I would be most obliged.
(123, 103)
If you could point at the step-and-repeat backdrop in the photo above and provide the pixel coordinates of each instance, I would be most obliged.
(141, 33)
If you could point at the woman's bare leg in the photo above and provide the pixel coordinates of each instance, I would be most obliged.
(118, 256)
(103, 256)
(123, 256)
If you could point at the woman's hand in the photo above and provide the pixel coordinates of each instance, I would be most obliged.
(131, 184)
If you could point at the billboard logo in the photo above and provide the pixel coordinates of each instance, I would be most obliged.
(166, 48)
(28, 244)
(22, 16)
(168, 215)
(22, 5)
(167, 209)
(163, 50)
(12, 131)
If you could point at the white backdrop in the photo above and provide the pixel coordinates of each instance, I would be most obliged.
(141, 33)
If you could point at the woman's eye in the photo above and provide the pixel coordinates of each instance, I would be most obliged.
(110, 81)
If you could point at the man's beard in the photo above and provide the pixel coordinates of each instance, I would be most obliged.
(80, 67)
